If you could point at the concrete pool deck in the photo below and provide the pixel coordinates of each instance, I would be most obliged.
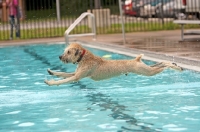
(162, 45)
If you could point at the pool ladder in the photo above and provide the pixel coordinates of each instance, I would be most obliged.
(76, 22)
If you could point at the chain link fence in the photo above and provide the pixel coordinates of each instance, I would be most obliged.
(40, 18)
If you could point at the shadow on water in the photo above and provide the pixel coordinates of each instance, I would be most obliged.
(117, 109)
(106, 103)
(102, 100)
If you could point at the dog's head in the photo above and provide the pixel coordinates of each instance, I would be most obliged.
(73, 53)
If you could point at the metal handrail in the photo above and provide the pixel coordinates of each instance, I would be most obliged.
(77, 21)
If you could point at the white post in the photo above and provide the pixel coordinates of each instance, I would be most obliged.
(58, 10)
(122, 22)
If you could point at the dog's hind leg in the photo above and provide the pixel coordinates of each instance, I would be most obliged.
(160, 64)
(60, 74)
(159, 67)
(146, 70)
(168, 65)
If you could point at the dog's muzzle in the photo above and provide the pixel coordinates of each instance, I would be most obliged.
(60, 57)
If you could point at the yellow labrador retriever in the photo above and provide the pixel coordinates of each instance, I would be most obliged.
(98, 68)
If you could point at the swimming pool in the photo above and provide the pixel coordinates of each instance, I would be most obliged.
(166, 102)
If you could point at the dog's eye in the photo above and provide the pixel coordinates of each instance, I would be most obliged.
(68, 52)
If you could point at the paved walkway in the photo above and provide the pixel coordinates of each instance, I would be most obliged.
(162, 42)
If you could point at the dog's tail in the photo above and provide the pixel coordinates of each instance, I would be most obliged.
(139, 57)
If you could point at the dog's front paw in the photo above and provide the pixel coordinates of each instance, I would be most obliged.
(50, 72)
(50, 83)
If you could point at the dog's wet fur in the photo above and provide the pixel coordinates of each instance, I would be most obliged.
(97, 68)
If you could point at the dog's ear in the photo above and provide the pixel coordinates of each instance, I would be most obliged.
(76, 53)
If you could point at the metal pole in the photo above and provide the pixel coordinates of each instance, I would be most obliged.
(94, 27)
(91, 6)
(18, 22)
(97, 4)
(162, 13)
(182, 32)
(122, 22)
(58, 10)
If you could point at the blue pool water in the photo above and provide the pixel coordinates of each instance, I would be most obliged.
(166, 102)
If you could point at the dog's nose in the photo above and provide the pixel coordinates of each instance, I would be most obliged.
(60, 57)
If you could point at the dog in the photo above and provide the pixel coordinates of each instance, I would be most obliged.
(97, 68)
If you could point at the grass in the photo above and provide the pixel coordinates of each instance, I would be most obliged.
(114, 28)
(134, 27)
(44, 32)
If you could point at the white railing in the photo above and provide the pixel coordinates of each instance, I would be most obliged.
(76, 22)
